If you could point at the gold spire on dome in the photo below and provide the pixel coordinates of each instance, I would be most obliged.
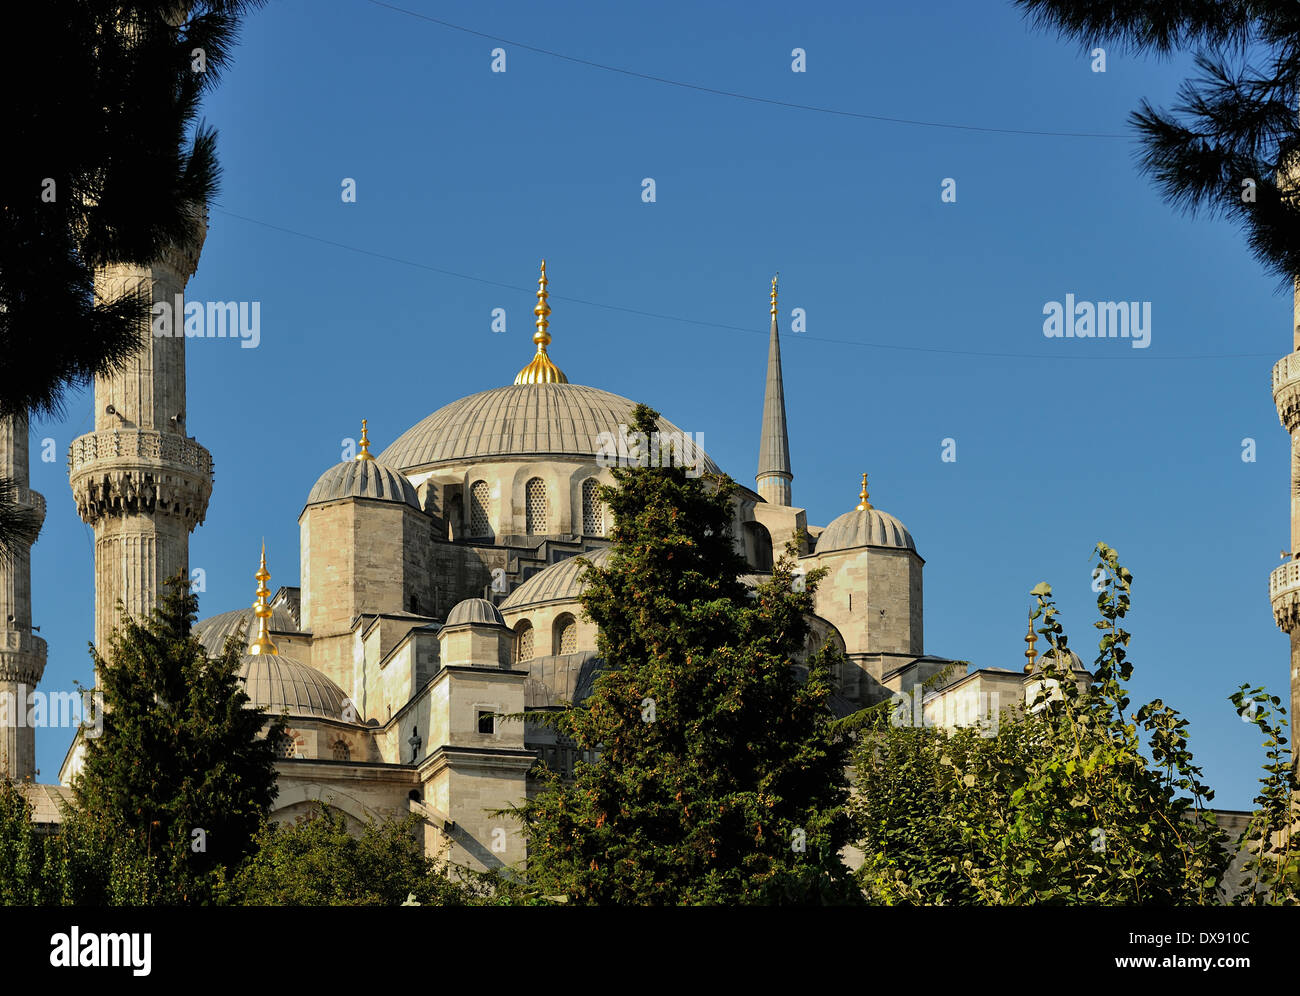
(863, 504)
(263, 644)
(1031, 650)
(541, 370)
(773, 312)
(363, 453)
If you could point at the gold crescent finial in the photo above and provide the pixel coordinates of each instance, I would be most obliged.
(262, 643)
(363, 453)
(541, 370)
(774, 294)
(1031, 651)
(863, 504)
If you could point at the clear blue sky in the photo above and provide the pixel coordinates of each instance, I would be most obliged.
(924, 318)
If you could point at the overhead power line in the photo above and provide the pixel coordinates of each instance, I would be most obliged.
(839, 112)
(388, 257)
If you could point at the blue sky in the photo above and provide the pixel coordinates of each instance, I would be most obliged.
(924, 318)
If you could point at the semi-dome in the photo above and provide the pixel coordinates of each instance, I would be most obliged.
(215, 630)
(555, 420)
(474, 612)
(283, 684)
(559, 582)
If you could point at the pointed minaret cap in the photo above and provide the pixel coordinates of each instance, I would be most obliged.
(541, 370)
(774, 474)
(363, 452)
(262, 643)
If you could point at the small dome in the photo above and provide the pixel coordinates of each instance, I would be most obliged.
(215, 630)
(557, 583)
(868, 527)
(1076, 662)
(282, 684)
(474, 612)
(363, 479)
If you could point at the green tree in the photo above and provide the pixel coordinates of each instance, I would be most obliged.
(22, 856)
(181, 778)
(1062, 806)
(1228, 144)
(318, 862)
(1271, 872)
(105, 162)
(717, 778)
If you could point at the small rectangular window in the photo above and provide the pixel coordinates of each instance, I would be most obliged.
(487, 721)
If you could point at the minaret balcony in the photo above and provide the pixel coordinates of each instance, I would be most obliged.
(133, 471)
(1286, 390)
(1284, 593)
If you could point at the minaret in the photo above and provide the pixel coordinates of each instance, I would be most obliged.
(1284, 583)
(774, 475)
(138, 479)
(22, 653)
(541, 370)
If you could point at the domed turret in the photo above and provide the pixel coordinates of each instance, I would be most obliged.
(474, 612)
(363, 477)
(864, 526)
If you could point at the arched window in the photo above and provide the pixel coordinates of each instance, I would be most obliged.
(566, 634)
(341, 752)
(760, 545)
(479, 522)
(455, 516)
(593, 510)
(537, 513)
(523, 642)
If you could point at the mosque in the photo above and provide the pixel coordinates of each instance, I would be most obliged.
(439, 588)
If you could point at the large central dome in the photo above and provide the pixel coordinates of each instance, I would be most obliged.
(554, 420)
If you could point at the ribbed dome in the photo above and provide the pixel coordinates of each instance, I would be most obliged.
(559, 582)
(521, 420)
(214, 631)
(363, 479)
(1076, 662)
(474, 612)
(282, 684)
(869, 527)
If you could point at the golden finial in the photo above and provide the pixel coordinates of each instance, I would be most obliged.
(863, 504)
(774, 294)
(1031, 651)
(263, 644)
(541, 370)
(364, 452)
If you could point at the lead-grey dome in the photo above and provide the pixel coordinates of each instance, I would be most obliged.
(563, 420)
(559, 582)
(363, 479)
(282, 684)
(474, 612)
(868, 527)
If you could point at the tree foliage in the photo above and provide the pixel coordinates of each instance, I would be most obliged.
(717, 778)
(1062, 806)
(317, 861)
(1229, 144)
(105, 162)
(178, 783)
